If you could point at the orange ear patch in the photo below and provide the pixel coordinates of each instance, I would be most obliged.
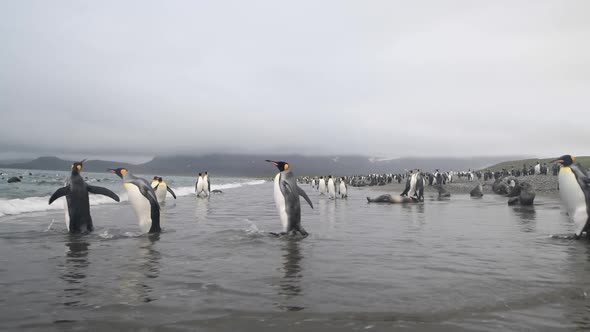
(573, 158)
(79, 167)
(123, 171)
(286, 167)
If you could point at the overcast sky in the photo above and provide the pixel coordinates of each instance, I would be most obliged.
(133, 79)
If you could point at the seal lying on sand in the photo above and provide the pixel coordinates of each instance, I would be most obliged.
(392, 199)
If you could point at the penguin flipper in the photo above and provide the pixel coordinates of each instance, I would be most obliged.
(171, 192)
(304, 195)
(147, 191)
(156, 187)
(59, 193)
(103, 191)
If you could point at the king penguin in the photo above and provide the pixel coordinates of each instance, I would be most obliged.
(574, 190)
(143, 199)
(286, 193)
(322, 185)
(206, 184)
(331, 187)
(199, 184)
(343, 189)
(77, 205)
(161, 188)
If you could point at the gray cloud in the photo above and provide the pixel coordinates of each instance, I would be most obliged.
(387, 78)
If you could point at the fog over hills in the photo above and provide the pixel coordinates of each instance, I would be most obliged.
(255, 165)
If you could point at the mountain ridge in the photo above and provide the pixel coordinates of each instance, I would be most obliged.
(255, 165)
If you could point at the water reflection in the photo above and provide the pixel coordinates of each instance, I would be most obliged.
(135, 287)
(290, 284)
(202, 208)
(577, 306)
(74, 272)
(415, 212)
(525, 217)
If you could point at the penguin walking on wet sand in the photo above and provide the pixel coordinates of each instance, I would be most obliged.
(199, 184)
(331, 187)
(77, 203)
(322, 186)
(343, 188)
(286, 194)
(574, 190)
(143, 199)
(161, 188)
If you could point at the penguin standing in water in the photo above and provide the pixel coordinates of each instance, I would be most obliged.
(286, 194)
(161, 188)
(206, 184)
(203, 186)
(77, 204)
(343, 189)
(331, 187)
(574, 190)
(322, 185)
(199, 185)
(143, 199)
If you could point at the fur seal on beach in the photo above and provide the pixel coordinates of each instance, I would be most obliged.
(574, 190)
(442, 193)
(477, 191)
(392, 199)
(143, 199)
(526, 195)
(77, 203)
(286, 194)
(13, 179)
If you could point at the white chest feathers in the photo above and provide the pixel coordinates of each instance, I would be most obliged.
(280, 202)
(141, 206)
(573, 198)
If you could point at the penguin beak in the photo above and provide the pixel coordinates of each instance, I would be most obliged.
(272, 162)
(111, 170)
(559, 161)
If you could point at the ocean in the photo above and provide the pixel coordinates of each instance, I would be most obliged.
(443, 265)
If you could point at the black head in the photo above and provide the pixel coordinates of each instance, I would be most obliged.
(119, 171)
(77, 167)
(206, 173)
(281, 165)
(565, 160)
(200, 174)
(155, 178)
(160, 180)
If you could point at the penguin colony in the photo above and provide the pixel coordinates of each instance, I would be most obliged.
(146, 198)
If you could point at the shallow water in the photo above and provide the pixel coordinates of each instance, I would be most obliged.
(459, 264)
